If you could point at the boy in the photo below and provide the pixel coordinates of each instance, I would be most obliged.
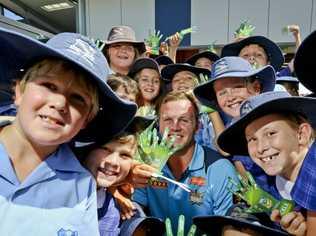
(112, 165)
(276, 130)
(232, 82)
(58, 96)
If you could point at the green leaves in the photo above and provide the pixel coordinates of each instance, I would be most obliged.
(244, 30)
(180, 232)
(258, 200)
(153, 150)
(153, 41)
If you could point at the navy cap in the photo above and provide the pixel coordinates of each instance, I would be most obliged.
(304, 62)
(233, 67)
(164, 60)
(81, 52)
(207, 54)
(237, 217)
(143, 63)
(290, 79)
(169, 71)
(233, 140)
(272, 50)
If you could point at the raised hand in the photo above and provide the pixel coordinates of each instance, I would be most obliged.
(153, 150)
(258, 199)
(181, 221)
(153, 41)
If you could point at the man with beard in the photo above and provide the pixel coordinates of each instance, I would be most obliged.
(203, 170)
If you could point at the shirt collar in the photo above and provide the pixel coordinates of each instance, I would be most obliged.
(197, 161)
(64, 160)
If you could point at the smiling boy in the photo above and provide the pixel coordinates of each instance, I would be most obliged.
(276, 130)
(58, 101)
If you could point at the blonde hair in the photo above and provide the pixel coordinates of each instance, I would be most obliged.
(126, 138)
(55, 65)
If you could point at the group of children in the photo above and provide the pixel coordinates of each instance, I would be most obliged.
(69, 136)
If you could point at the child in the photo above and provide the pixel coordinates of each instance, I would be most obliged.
(111, 165)
(276, 130)
(44, 190)
(232, 82)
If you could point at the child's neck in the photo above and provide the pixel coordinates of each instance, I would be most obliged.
(24, 156)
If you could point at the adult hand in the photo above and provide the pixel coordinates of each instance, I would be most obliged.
(294, 222)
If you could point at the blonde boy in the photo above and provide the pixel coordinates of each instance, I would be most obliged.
(44, 190)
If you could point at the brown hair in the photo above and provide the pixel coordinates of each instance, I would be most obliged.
(117, 80)
(56, 65)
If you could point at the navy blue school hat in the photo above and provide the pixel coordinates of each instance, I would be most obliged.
(114, 113)
(164, 60)
(143, 63)
(272, 50)
(233, 140)
(290, 79)
(169, 71)
(233, 67)
(207, 54)
(239, 219)
(304, 62)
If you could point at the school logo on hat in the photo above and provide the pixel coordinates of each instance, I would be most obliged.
(63, 232)
(220, 67)
(245, 108)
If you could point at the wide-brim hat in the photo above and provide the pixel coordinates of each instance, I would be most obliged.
(272, 50)
(304, 62)
(207, 54)
(233, 140)
(164, 60)
(289, 79)
(143, 63)
(169, 71)
(114, 113)
(140, 123)
(124, 34)
(233, 67)
(215, 224)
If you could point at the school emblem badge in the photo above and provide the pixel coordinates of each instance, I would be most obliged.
(196, 195)
(220, 67)
(245, 108)
(63, 232)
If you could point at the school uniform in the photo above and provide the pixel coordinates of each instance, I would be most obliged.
(57, 198)
(209, 195)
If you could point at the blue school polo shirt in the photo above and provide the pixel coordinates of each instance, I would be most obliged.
(304, 189)
(58, 198)
(210, 195)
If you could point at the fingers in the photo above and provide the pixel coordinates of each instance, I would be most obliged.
(141, 174)
(275, 215)
(294, 223)
(127, 209)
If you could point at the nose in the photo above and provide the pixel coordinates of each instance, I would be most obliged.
(252, 59)
(59, 102)
(175, 126)
(112, 160)
(262, 145)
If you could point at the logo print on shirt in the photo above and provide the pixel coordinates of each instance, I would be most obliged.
(196, 196)
(63, 232)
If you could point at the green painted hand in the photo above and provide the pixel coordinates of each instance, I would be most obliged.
(180, 232)
(153, 150)
(244, 30)
(258, 199)
(100, 44)
(153, 41)
(146, 111)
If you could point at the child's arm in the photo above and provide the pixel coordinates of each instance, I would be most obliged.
(311, 223)
(174, 43)
(121, 196)
(294, 222)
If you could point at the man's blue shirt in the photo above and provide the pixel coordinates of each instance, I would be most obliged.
(209, 191)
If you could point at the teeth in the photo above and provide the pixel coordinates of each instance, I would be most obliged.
(49, 120)
(269, 158)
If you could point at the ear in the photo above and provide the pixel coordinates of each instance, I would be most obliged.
(18, 94)
(304, 134)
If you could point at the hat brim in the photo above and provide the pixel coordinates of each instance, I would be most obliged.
(304, 62)
(143, 63)
(287, 79)
(137, 44)
(114, 115)
(164, 60)
(169, 71)
(206, 94)
(207, 54)
(232, 140)
(273, 51)
(215, 224)
(139, 123)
